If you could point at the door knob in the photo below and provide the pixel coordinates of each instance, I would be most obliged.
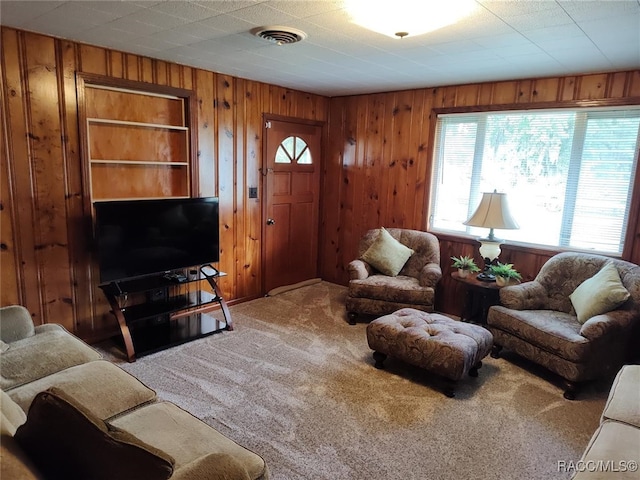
(271, 221)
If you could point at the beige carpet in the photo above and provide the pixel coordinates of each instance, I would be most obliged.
(295, 383)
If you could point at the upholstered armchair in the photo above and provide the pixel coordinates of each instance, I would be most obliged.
(373, 292)
(579, 334)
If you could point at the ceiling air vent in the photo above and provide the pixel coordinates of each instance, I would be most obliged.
(280, 35)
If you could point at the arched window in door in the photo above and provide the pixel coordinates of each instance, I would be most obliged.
(293, 150)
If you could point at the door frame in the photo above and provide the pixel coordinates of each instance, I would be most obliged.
(266, 117)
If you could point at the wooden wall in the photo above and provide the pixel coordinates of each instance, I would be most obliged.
(45, 233)
(376, 170)
(378, 165)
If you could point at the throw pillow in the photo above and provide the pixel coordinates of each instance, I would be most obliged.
(599, 294)
(386, 254)
(65, 440)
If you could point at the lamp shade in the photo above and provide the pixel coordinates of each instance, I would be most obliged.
(493, 212)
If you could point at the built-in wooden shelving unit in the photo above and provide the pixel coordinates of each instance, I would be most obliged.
(137, 143)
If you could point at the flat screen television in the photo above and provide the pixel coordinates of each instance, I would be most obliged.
(143, 237)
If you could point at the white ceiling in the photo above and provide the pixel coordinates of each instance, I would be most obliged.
(501, 40)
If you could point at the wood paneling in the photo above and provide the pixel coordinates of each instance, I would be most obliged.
(78, 222)
(378, 165)
(37, 177)
(376, 168)
(331, 258)
(224, 104)
(249, 247)
(8, 283)
(47, 263)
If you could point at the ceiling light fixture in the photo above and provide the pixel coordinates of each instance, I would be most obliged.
(402, 18)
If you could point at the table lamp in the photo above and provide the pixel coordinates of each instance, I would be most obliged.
(493, 212)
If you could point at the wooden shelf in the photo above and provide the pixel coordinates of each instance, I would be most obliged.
(110, 121)
(137, 143)
(141, 162)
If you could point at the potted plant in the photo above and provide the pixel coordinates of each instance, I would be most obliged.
(465, 265)
(505, 273)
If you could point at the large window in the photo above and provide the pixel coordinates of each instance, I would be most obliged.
(568, 174)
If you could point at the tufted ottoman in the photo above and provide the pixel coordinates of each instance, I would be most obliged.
(439, 344)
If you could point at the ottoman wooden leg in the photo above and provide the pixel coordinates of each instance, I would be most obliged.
(379, 357)
(571, 390)
(474, 370)
(495, 351)
(449, 388)
(352, 316)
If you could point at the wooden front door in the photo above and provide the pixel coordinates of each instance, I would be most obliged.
(292, 185)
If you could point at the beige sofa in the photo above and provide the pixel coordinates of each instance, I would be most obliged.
(67, 413)
(614, 448)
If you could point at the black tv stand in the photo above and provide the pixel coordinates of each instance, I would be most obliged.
(161, 311)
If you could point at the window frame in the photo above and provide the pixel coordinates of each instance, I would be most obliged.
(633, 211)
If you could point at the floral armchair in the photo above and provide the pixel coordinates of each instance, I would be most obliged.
(538, 319)
(372, 292)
